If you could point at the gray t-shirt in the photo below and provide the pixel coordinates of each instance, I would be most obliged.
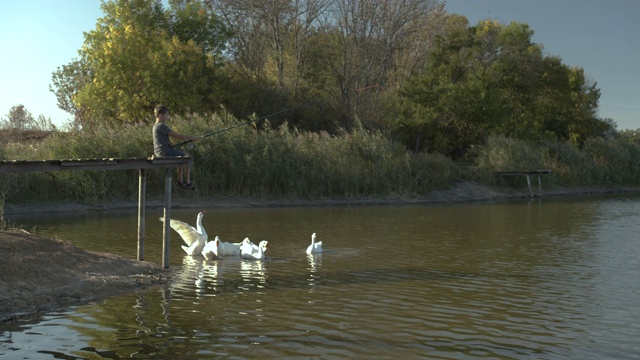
(161, 144)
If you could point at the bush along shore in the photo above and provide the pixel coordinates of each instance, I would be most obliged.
(283, 163)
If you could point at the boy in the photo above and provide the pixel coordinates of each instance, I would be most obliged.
(162, 146)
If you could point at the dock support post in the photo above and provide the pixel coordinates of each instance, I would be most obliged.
(167, 218)
(142, 186)
(529, 184)
(539, 186)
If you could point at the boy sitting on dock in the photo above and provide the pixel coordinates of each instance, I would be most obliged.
(162, 145)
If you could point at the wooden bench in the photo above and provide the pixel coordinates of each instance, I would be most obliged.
(528, 174)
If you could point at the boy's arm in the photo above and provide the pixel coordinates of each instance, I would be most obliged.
(175, 135)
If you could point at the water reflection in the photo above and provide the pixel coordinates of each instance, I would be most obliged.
(543, 279)
(314, 268)
(189, 274)
(254, 273)
(315, 262)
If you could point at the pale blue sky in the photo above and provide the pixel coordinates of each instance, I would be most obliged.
(36, 37)
(602, 36)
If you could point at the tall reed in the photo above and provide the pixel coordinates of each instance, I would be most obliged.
(242, 161)
(282, 162)
(611, 162)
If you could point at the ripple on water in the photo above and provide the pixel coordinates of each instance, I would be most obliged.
(533, 280)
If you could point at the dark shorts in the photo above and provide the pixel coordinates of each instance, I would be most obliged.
(174, 152)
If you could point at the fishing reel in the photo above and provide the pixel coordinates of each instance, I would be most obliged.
(191, 146)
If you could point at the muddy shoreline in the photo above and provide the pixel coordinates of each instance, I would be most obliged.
(38, 274)
(462, 192)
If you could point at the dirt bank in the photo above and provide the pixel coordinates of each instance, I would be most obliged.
(39, 274)
(460, 192)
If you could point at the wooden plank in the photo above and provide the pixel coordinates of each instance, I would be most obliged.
(166, 232)
(94, 162)
(521, 172)
(142, 186)
(167, 160)
(12, 166)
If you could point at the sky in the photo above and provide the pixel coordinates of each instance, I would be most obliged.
(601, 36)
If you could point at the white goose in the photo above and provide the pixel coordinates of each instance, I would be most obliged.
(250, 251)
(246, 246)
(316, 246)
(211, 249)
(230, 249)
(195, 238)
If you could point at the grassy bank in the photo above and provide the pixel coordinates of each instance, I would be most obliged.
(285, 163)
(239, 162)
(602, 163)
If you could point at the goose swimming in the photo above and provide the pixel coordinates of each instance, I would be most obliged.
(211, 249)
(194, 238)
(250, 251)
(246, 246)
(230, 249)
(316, 246)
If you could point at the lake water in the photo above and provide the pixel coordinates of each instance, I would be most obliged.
(545, 279)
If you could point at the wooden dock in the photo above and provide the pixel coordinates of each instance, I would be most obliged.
(140, 164)
(528, 174)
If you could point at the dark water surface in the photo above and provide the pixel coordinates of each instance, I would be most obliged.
(549, 279)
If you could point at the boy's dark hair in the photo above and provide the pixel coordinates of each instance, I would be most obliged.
(160, 110)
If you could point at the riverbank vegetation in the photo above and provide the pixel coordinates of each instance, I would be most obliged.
(285, 163)
(272, 162)
(363, 98)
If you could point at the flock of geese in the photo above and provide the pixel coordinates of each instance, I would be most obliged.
(197, 242)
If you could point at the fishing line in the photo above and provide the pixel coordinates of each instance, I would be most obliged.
(262, 118)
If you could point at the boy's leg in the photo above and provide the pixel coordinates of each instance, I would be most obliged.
(179, 177)
(187, 171)
(187, 174)
(187, 184)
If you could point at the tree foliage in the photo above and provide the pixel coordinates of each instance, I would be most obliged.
(68, 80)
(269, 55)
(140, 55)
(370, 36)
(326, 50)
(19, 118)
(492, 79)
(440, 84)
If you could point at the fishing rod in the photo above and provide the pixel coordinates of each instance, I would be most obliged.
(262, 118)
(241, 124)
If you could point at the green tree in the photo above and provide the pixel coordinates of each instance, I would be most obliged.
(585, 122)
(492, 79)
(68, 80)
(140, 55)
(19, 118)
(325, 50)
(268, 55)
